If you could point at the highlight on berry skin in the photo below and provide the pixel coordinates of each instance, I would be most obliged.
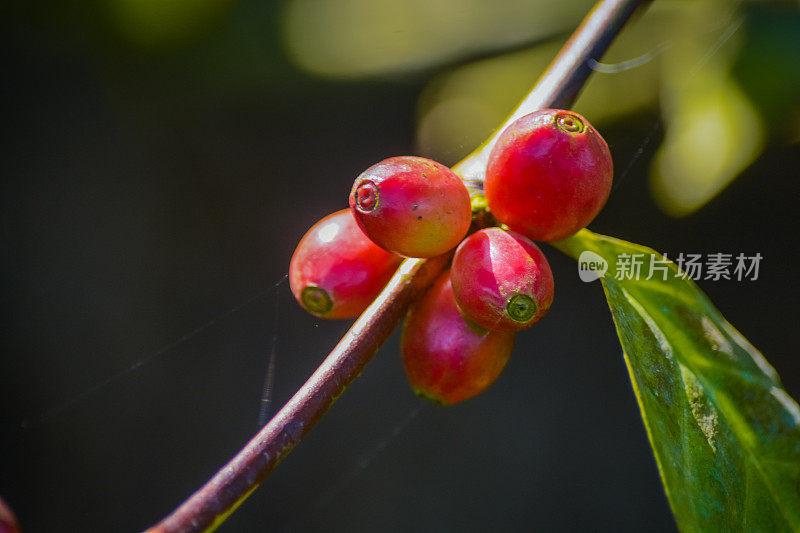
(501, 280)
(336, 271)
(548, 175)
(411, 206)
(447, 358)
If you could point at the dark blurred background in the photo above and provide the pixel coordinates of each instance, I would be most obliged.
(160, 161)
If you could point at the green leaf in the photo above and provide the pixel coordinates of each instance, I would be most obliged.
(725, 434)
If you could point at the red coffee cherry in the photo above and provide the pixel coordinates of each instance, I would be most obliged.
(411, 206)
(501, 280)
(8, 522)
(447, 358)
(548, 175)
(336, 271)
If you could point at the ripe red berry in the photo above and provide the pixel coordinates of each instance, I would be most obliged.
(411, 206)
(548, 175)
(8, 522)
(447, 358)
(501, 280)
(336, 271)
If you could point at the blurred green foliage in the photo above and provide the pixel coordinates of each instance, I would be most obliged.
(364, 38)
(724, 74)
(155, 23)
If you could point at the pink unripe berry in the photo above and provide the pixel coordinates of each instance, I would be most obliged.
(447, 358)
(411, 206)
(548, 175)
(336, 271)
(501, 280)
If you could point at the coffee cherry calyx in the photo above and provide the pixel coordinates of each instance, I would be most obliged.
(521, 308)
(366, 196)
(316, 300)
(569, 123)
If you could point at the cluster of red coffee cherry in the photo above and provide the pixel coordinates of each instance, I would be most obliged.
(548, 176)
